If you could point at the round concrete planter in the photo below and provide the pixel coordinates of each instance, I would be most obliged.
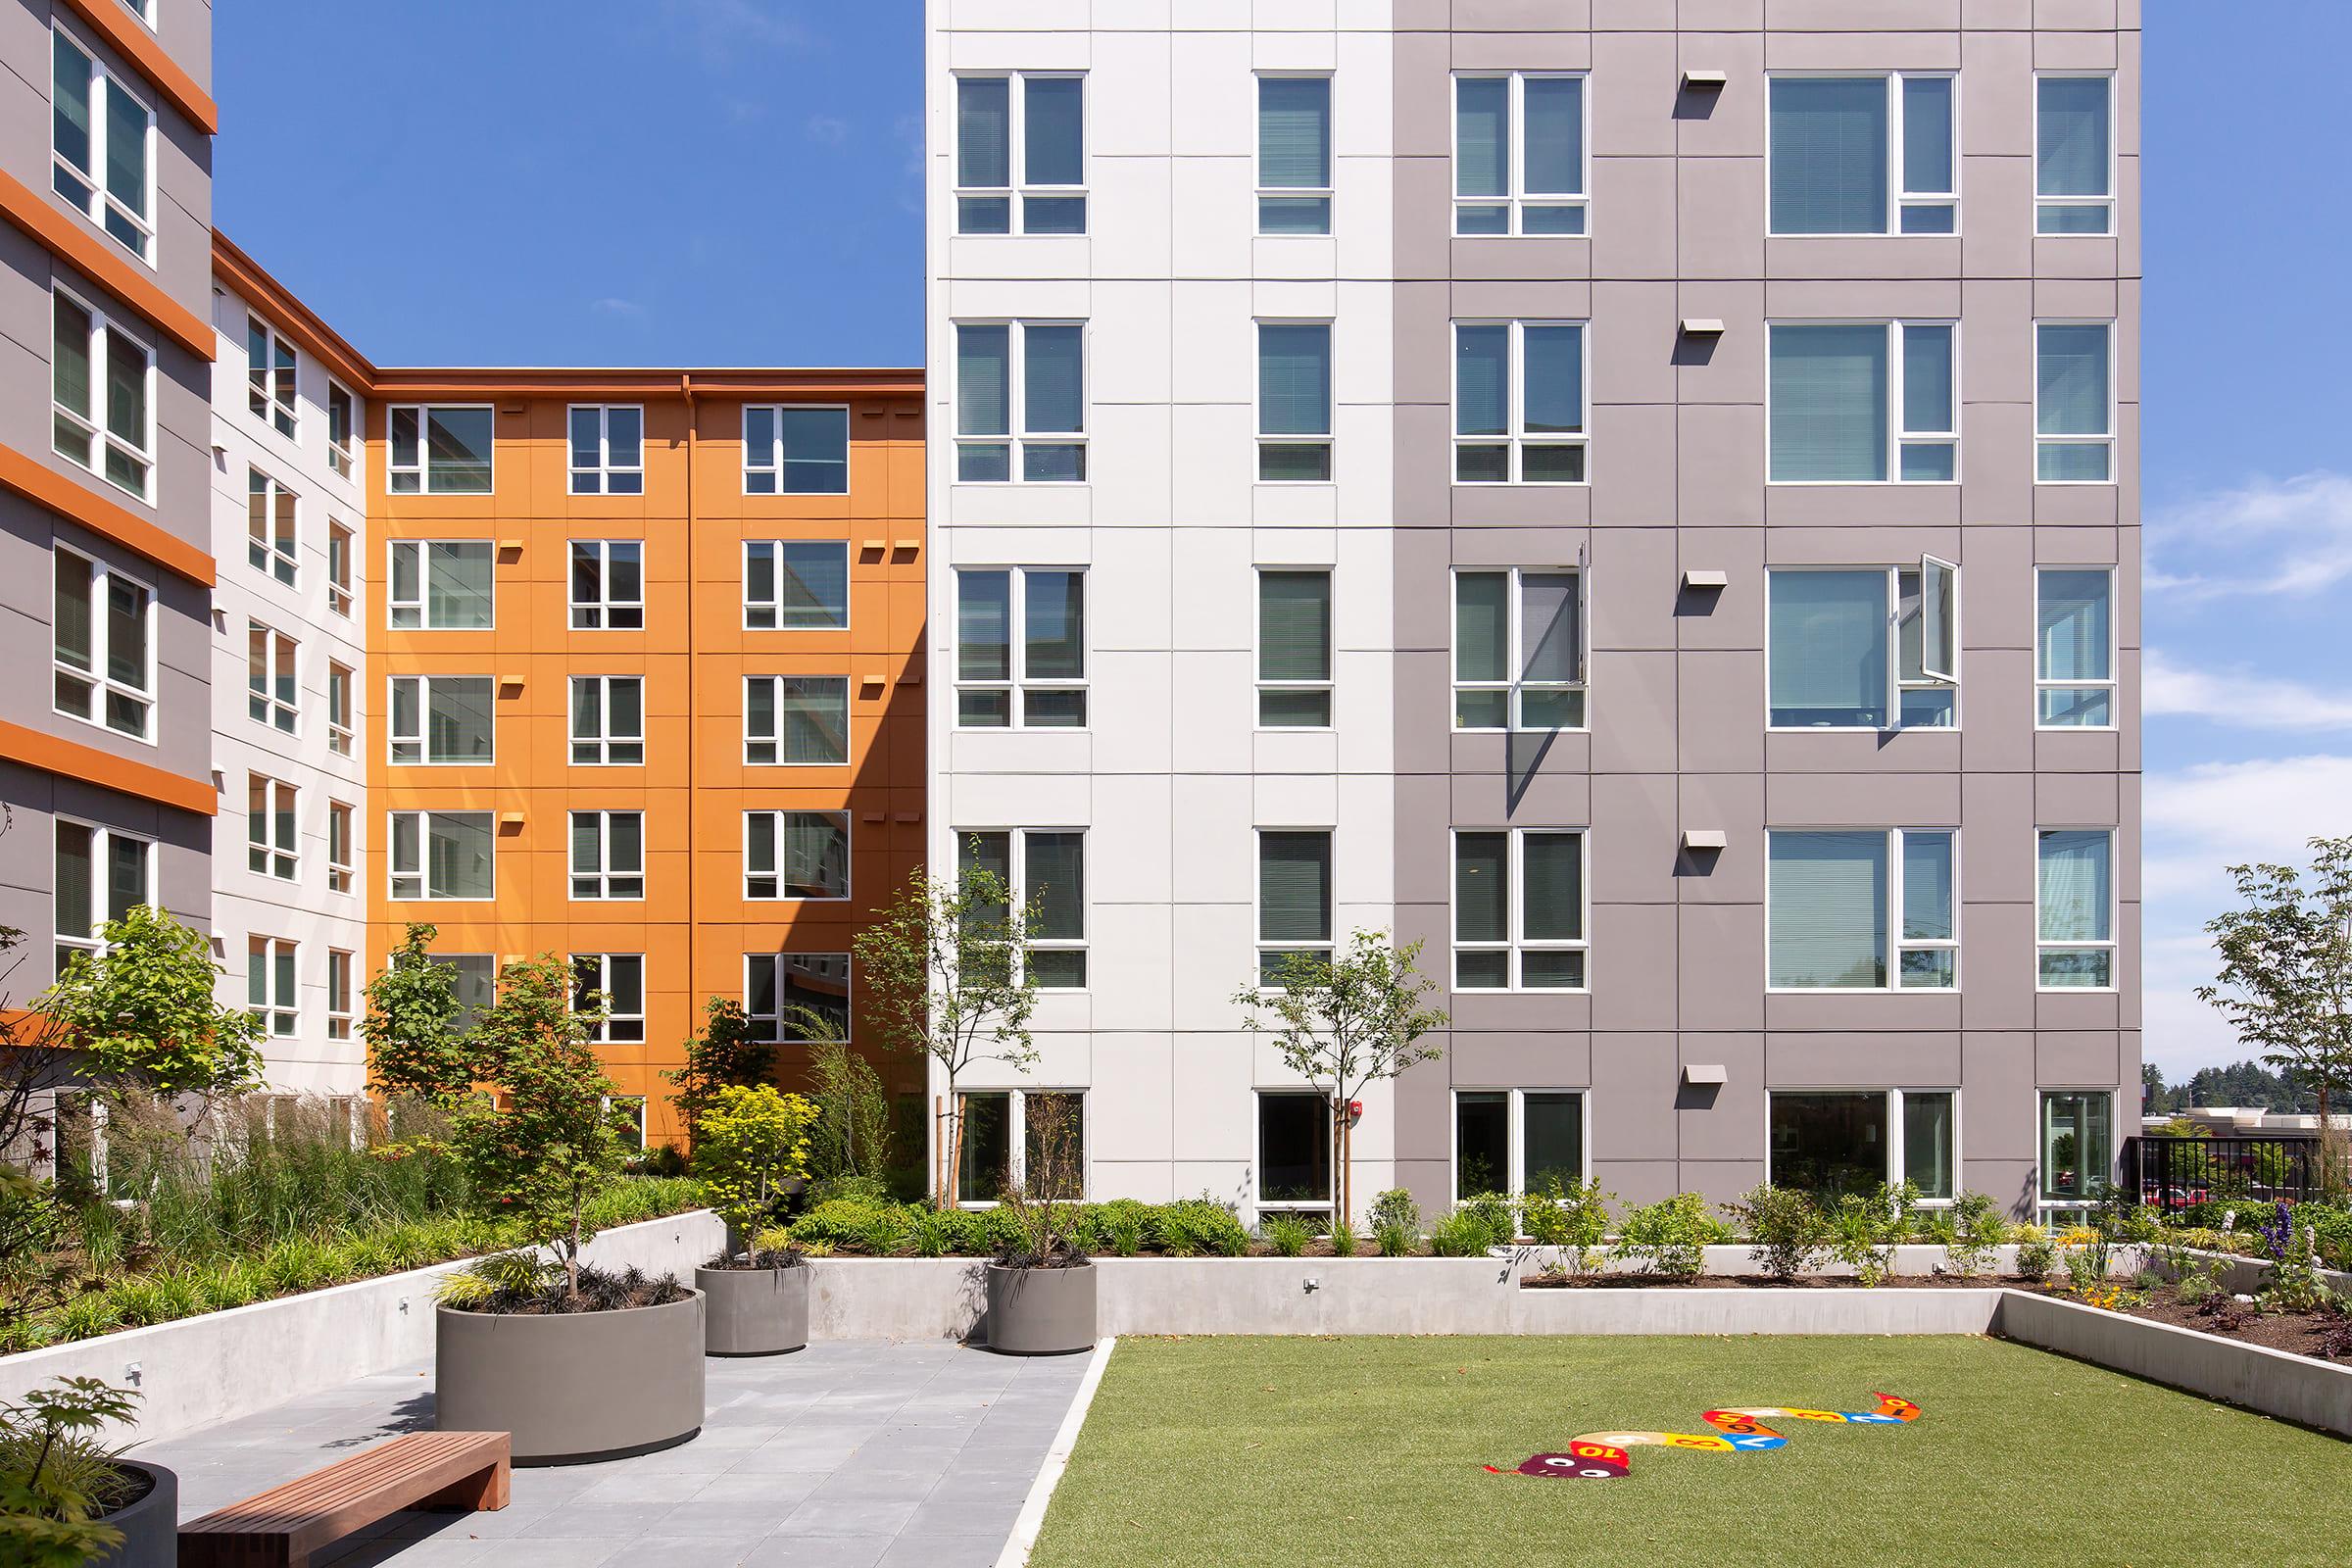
(754, 1311)
(575, 1387)
(1041, 1311)
(150, 1525)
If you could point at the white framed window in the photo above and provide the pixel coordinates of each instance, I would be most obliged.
(1519, 403)
(1518, 1140)
(1863, 403)
(1521, 646)
(271, 535)
(144, 10)
(1046, 870)
(2073, 154)
(440, 585)
(101, 874)
(1834, 1143)
(102, 395)
(273, 991)
(1872, 648)
(439, 450)
(340, 1014)
(1876, 154)
(340, 543)
(795, 449)
(1030, 122)
(1295, 1138)
(617, 981)
(270, 370)
(342, 849)
(796, 720)
(2078, 1151)
(796, 585)
(102, 146)
(272, 685)
(1294, 648)
(2073, 401)
(441, 721)
(1521, 910)
(1294, 402)
(1020, 402)
(607, 449)
(607, 585)
(2073, 901)
(626, 1114)
(797, 995)
(475, 978)
(1862, 910)
(1519, 140)
(1294, 898)
(2074, 648)
(796, 855)
(1002, 1143)
(1293, 154)
(342, 428)
(102, 648)
(1020, 650)
(607, 720)
(339, 715)
(272, 835)
(442, 855)
(607, 854)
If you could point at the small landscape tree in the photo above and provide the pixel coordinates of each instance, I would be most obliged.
(1347, 1021)
(414, 1046)
(727, 1054)
(850, 1140)
(145, 1014)
(747, 1144)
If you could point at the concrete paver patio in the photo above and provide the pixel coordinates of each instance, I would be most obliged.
(847, 1454)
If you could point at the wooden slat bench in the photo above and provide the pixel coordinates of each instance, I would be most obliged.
(281, 1528)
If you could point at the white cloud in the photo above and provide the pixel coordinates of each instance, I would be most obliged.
(2237, 696)
(2289, 537)
(828, 130)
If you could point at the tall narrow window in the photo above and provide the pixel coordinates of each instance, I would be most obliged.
(2074, 648)
(1863, 403)
(1294, 898)
(607, 585)
(607, 854)
(796, 855)
(1518, 403)
(1519, 649)
(441, 721)
(2074, 155)
(341, 857)
(1021, 648)
(271, 988)
(1519, 155)
(271, 838)
(271, 537)
(1294, 649)
(440, 585)
(796, 720)
(1294, 400)
(1519, 911)
(791, 450)
(339, 1012)
(1046, 871)
(102, 147)
(2074, 403)
(269, 366)
(2075, 894)
(438, 451)
(339, 715)
(1020, 402)
(1034, 125)
(1294, 1151)
(102, 627)
(101, 876)
(339, 546)
(797, 995)
(615, 983)
(101, 396)
(2077, 1149)
(342, 428)
(796, 585)
(272, 688)
(1872, 648)
(607, 720)
(1869, 911)
(1863, 155)
(607, 449)
(1294, 155)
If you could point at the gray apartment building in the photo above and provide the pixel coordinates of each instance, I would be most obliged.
(106, 567)
(1638, 498)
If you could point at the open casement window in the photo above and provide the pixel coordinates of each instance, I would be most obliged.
(441, 721)
(1295, 1134)
(102, 147)
(2075, 903)
(607, 585)
(2073, 401)
(1029, 124)
(1294, 155)
(607, 854)
(1864, 648)
(794, 449)
(101, 876)
(2077, 1149)
(269, 527)
(1864, 154)
(787, 995)
(617, 981)
(271, 686)
(1003, 1142)
(272, 990)
(342, 428)
(342, 869)
(607, 720)
(1871, 909)
(2074, 648)
(270, 366)
(1294, 898)
(2074, 155)
(440, 585)
(101, 396)
(796, 855)
(1863, 403)
(1517, 1140)
(1294, 648)
(1519, 154)
(1294, 402)
(796, 720)
(1020, 402)
(1521, 643)
(796, 585)
(607, 449)
(1839, 1143)
(1519, 911)
(438, 451)
(102, 656)
(441, 855)
(1046, 870)
(1519, 403)
(1021, 648)
(271, 839)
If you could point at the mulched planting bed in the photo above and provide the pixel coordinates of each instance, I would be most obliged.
(2325, 1335)
(1753, 1282)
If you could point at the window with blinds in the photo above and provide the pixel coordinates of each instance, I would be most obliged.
(1294, 402)
(1028, 125)
(796, 720)
(1863, 155)
(2074, 648)
(612, 986)
(1862, 910)
(2075, 903)
(102, 644)
(1046, 871)
(796, 585)
(1519, 911)
(1863, 648)
(607, 720)
(607, 585)
(2073, 401)
(607, 854)
(1294, 155)
(795, 450)
(1020, 402)
(607, 449)
(1294, 899)
(2074, 155)
(1519, 403)
(1294, 648)
(439, 585)
(1021, 648)
(1863, 403)
(796, 855)
(441, 721)
(1519, 154)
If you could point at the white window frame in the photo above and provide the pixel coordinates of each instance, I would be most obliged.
(2049, 1212)
(614, 1105)
(422, 738)
(1896, 944)
(773, 461)
(342, 549)
(1898, 200)
(1329, 440)
(101, 203)
(277, 851)
(1515, 438)
(1259, 1203)
(1017, 1132)
(775, 874)
(268, 552)
(2112, 945)
(2109, 201)
(279, 1014)
(1897, 437)
(1326, 193)
(422, 605)
(421, 872)
(1017, 851)
(421, 471)
(1519, 198)
(341, 966)
(605, 1033)
(342, 860)
(1897, 683)
(1016, 194)
(1260, 946)
(2114, 399)
(607, 883)
(774, 607)
(1895, 1151)
(604, 470)
(1018, 685)
(1516, 945)
(598, 613)
(774, 739)
(605, 740)
(774, 1033)
(2115, 636)
(1516, 653)
(1328, 686)
(270, 385)
(1019, 437)
(1516, 1133)
(281, 663)
(341, 455)
(98, 425)
(98, 677)
(102, 854)
(341, 691)
(144, 10)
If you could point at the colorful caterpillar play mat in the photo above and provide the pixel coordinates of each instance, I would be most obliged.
(1607, 1455)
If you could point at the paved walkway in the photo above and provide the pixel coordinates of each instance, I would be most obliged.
(846, 1456)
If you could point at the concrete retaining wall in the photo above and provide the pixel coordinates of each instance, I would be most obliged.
(218, 1366)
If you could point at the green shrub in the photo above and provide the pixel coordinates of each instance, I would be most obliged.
(1395, 1207)
(1288, 1235)
(1192, 1227)
(1787, 1234)
(1669, 1237)
(138, 1302)
(1343, 1239)
(851, 1225)
(1496, 1215)
(1863, 1232)
(2330, 1225)
(1975, 1227)
(1571, 1219)
(1395, 1239)
(933, 1233)
(2037, 1254)
(1462, 1234)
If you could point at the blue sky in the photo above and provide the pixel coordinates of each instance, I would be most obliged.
(735, 182)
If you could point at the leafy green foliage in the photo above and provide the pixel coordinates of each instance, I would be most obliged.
(1038, 1222)
(1787, 1235)
(1343, 1240)
(2037, 1254)
(1461, 1234)
(414, 1048)
(1496, 1215)
(1573, 1218)
(1863, 1232)
(1195, 1227)
(1977, 1228)
(1392, 1238)
(851, 1135)
(1669, 1237)
(1288, 1235)
(725, 1055)
(748, 1143)
(145, 1012)
(1395, 1207)
(57, 1481)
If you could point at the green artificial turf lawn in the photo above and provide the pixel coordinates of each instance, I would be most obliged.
(1367, 1452)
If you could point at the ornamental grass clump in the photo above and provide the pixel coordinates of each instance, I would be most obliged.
(1287, 1235)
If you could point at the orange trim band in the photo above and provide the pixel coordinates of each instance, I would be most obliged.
(103, 266)
(54, 754)
(296, 320)
(134, 43)
(44, 486)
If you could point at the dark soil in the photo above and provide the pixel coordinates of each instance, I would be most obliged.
(2325, 1335)
(747, 1262)
(600, 1292)
(1749, 1282)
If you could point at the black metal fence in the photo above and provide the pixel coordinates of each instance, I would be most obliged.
(2187, 1173)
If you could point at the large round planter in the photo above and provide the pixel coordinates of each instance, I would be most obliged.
(754, 1311)
(150, 1525)
(1041, 1311)
(573, 1387)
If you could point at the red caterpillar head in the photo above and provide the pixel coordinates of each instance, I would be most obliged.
(1585, 1461)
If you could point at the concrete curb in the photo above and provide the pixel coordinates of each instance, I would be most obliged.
(1032, 1518)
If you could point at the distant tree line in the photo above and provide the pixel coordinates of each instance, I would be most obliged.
(2245, 1083)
